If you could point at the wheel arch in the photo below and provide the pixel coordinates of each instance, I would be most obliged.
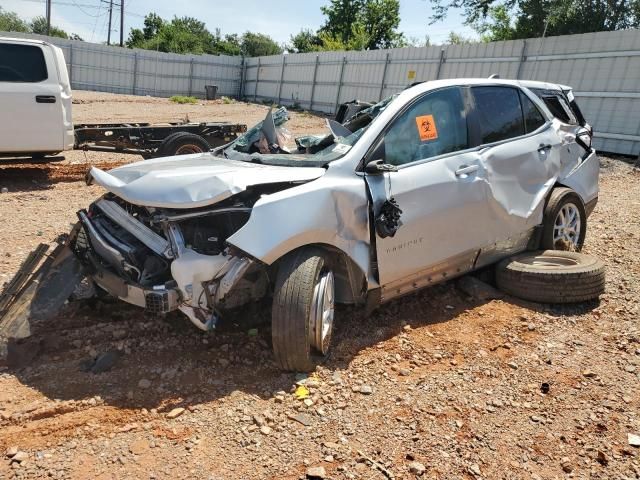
(349, 277)
(561, 184)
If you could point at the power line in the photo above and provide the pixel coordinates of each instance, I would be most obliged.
(84, 5)
(95, 25)
(80, 7)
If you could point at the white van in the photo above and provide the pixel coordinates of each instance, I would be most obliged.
(35, 99)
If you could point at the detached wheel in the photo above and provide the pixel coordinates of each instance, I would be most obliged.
(303, 310)
(552, 276)
(182, 143)
(565, 221)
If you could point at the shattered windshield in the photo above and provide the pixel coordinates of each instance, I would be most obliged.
(267, 141)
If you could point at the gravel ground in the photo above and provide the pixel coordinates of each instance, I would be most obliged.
(435, 385)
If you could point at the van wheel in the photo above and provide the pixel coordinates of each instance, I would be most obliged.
(303, 310)
(564, 222)
(552, 276)
(182, 143)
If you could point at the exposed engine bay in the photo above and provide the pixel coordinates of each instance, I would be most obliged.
(167, 259)
(172, 253)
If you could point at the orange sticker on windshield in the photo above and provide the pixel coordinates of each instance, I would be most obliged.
(427, 127)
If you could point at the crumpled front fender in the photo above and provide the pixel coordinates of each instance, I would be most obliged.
(332, 210)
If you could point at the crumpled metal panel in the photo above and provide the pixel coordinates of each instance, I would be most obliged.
(332, 210)
(519, 178)
(192, 181)
(583, 179)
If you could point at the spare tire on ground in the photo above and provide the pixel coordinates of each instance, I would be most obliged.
(552, 276)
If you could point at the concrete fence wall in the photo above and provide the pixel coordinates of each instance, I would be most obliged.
(144, 72)
(603, 69)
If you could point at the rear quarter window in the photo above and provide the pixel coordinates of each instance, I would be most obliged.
(557, 105)
(22, 63)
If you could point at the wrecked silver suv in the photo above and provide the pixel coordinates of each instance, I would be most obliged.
(444, 178)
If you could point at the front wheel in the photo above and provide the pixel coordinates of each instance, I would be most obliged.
(565, 221)
(303, 310)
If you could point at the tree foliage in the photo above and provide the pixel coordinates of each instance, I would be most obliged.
(258, 44)
(39, 25)
(514, 19)
(354, 25)
(190, 35)
(456, 39)
(381, 19)
(306, 41)
(11, 22)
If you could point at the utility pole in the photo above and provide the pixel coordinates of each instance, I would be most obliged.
(48, 15)
(122, 23)
(110, 13)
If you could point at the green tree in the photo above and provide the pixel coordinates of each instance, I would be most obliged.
(190, 35)
(418, 42)
(341, 16)
(305, 41)
(381, 19)
(152, 25)
(457, 39)
(497, 26)
(39, 26)
(229, 45)
(10, 22)
(534, 17)
(259, 44)
(350, 22)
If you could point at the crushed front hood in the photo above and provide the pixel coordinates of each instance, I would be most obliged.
(193, 181)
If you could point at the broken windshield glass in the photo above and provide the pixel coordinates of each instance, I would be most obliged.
(266, 141)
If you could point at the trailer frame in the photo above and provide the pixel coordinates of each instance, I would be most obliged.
(148, 139)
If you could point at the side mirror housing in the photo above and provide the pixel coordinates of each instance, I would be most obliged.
(378, 167)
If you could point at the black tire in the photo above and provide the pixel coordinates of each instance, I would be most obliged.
(557, 200)
(182, 143)
(298, 275)
(552, 276)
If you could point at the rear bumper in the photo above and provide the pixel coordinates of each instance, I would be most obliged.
(69, 139)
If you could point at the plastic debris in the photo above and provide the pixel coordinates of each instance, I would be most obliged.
(301, 392)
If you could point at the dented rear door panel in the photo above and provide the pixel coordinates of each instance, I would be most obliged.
(520, 174)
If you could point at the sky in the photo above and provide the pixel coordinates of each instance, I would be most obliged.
(277, 18)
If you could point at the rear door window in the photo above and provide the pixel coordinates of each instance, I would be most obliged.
(533, 119)
(497, 113)
(22, 63)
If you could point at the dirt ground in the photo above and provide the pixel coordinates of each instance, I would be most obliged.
(438, 384)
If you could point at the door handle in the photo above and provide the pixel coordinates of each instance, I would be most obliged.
(45, 99)
(464, 170)
(542, 147)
